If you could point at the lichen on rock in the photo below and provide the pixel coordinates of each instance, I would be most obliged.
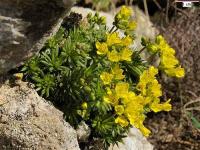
(25, 26)
(27, 121)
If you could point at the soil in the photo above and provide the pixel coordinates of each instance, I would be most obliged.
(170, 131)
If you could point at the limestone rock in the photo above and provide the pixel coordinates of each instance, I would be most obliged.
(83, 132)
(134, 141)
(27, 121)
(25, 25)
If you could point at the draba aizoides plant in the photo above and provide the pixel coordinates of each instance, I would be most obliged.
(93, 74)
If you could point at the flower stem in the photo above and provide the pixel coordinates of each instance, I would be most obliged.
(139, 52)
(116, 29)
(111, 29)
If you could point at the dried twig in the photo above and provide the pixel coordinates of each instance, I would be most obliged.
(193, 108)
(192, 102)
(146, 7)
(131, 2)
(157, 4)
(180, 10)
(192, 93)
(167, 12)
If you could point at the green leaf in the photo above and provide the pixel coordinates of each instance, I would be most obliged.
(195, 122)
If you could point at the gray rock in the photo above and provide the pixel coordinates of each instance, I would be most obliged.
(25, 25)
(27, 121)
(83, 132)
(134, 141)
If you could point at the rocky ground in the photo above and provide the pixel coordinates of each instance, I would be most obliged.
(27, 121)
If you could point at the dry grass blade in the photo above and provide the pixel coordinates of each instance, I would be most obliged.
(146, 8)
(191, 102)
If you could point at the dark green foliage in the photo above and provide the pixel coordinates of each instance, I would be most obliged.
(104, 128)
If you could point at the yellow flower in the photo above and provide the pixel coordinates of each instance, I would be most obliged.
(106, 77)
(117, 72)
(132, 25)
(119, 109)
(134, 107)
(136, 119)
(167, 50)
(177, 72)
(122, 121)
(121, 89)
(130, 97)
(134, 111)
(124, 13)
(108, 91)
(154, 89)
(148, 85)
(113, 56)
(141, 86)
(18, 76)
(156, 106)
(148, 75)
(127, 41)
(144, 130)
(84, 105)
(152, 48)
(161, 43)
(168, 61)
(111, 99)
(180, 72)
(126, 54)
(147, 100)
(102, 48)
(142, 101)
(152, 71)
(113, 38)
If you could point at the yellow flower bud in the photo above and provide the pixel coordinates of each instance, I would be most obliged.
(84, 105)
(119, 109)
(102, 48)
(113, 56)
(122, 121)
(106, 77)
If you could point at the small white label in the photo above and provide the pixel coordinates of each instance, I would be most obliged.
(187, 4)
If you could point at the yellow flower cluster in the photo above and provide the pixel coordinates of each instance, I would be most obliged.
(168, 62)
(150, 89)
(129, 107)
(124, 13)
(116, 48)
(123, 19)
(115, 74)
